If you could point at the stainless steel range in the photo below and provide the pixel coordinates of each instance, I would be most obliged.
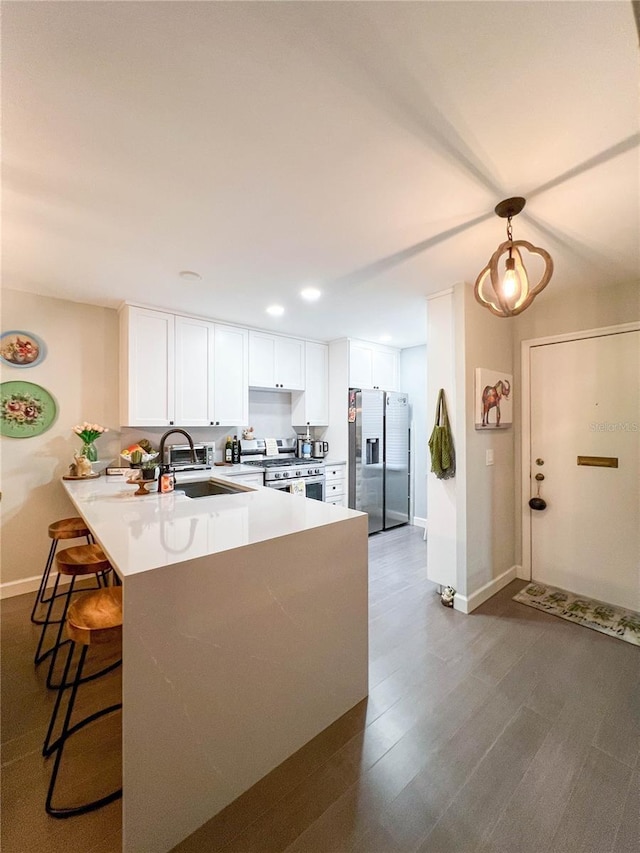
(285, 468)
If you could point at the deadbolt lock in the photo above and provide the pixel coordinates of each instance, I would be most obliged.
(539, 461)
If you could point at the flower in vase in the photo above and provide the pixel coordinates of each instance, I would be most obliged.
(89, 433)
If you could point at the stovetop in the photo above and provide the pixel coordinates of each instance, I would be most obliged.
(285, 462)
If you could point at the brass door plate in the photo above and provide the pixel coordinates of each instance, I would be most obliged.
(599, 461)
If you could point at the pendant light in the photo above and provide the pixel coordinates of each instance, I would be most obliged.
(511, 293)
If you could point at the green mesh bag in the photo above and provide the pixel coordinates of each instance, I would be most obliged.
(443, 457)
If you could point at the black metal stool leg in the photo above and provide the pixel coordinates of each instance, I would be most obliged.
(67, 730)
(40, 599)
(48, 747)
(59, 641)
(39, 655)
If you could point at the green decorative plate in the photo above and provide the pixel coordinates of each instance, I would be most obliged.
(25, 409)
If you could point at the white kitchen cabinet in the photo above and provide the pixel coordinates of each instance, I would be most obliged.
(231, 376)
(147, 367)
(247, 479)
(335, 486)
(312, 406)
(211, 384)
(373, 366)
(276, 362)
(182, 371)
(194, 372)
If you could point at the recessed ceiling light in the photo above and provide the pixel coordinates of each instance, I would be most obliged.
(190, 275)
(275, 310)
(310, 294)
(385, 338)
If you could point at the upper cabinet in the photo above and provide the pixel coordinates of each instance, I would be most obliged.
(231, 376)
(312, 407)
(147, 367)
(373, 366)
(181, 371)
(211, 384)
(276, 362)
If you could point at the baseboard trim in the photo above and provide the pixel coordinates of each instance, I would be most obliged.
(419, 522)
(467, 604)
(522, 574)
(11, 588)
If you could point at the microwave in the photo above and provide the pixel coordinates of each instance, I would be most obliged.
(179, 456)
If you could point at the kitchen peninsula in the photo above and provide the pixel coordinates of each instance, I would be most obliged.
(245, 635)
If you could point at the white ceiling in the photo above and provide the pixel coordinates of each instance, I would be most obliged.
(360, 147)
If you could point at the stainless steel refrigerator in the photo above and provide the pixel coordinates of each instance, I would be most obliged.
(379, 456)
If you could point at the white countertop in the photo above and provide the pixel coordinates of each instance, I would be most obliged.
(139, 533)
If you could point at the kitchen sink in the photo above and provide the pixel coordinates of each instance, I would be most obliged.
(204, 489)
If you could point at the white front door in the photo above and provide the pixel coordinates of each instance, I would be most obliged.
(585, 402)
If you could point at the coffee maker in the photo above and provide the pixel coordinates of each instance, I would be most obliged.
(303, 447)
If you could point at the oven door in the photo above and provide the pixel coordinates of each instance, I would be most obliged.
(314, 487)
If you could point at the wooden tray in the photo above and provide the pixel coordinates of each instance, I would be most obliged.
(91, 476)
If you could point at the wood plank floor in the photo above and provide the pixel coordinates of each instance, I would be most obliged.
(507, 730)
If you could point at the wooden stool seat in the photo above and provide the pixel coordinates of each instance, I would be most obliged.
(65, 528)
(68, 528)
(82, 560)
(75, 562)
(96, 617)
(93, 618)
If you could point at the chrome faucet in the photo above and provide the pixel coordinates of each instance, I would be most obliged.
(161, 450)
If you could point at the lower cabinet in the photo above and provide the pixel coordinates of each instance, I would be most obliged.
(247, 479)
(335, 488)
(252, 479)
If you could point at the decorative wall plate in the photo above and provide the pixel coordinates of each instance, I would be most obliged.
(21, 349)
(25, 409)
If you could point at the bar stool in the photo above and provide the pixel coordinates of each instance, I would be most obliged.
(66, 528)
(93, 618)
(76, 562)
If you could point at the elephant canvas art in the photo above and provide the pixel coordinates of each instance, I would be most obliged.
(494, 399)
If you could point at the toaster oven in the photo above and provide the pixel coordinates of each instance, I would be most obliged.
(179, 456)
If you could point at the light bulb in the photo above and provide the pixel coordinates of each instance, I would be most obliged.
(511, 284)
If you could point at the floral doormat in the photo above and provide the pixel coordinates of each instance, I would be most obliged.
(606, 618)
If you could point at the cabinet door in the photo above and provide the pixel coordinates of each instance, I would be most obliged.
(148, 368)
(194, 372)
(262, 360)
(316, 392)
(289, 372)
(385, 370)
(231, 376)
(276, 362)
(360, 366)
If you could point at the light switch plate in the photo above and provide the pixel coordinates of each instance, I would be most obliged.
(489, 457)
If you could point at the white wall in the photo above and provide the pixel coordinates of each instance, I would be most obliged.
(413, 381)
(470, 541)
(490, 515)
(81, 372)
(443, 496)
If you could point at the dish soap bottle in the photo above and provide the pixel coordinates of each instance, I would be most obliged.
(167, 480)
(228, 450)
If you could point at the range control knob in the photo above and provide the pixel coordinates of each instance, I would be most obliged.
(277, 476)
(285, 474)
(298, 473)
